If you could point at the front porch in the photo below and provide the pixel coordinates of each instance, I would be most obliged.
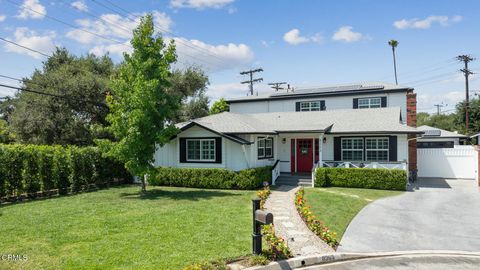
(298, 155)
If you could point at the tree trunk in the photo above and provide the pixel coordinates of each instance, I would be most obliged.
(394, 65)
(144, 183)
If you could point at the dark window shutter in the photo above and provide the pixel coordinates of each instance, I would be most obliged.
(337, 148)
(392, 144)
(218, 150)
(297, 106)
(384, 102)
(183, 150)
(322, 105)
(355, 103)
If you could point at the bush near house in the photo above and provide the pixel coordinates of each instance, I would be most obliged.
(389, 179)
(210, 178)
(29, 169)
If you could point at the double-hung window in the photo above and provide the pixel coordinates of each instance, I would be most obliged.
(265, 148)
(374, 102)
(352, 149)
(376, 149)
(307, 106)
(200, 149)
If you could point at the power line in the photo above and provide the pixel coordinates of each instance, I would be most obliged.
(25, 47)
(252, 80)
(126, 30)
(466, 72)
(129, 14)
(69, 24)
(100, 104)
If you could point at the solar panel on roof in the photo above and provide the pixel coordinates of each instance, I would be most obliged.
(432, 133)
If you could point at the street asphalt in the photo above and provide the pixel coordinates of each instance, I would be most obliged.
(437, 214)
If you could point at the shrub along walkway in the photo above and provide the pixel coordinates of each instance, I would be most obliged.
(290, 226)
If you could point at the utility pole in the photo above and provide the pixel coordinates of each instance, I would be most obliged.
(466, 72)
(277, 85)
(252, 80)
(439, 108)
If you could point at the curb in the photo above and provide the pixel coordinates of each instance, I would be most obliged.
(304, 261)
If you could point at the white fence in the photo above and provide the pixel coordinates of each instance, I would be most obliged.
(458, 162)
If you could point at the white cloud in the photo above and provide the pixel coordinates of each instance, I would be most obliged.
(293, 37)
(213, 57)
(427, 22)
(114, 27)
(2, 18)
(80, 5)
(199, 4)
(346, 34)
(31, 9)
(28, 38)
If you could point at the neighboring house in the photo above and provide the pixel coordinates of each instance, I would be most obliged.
(438, 138)
(297, 140)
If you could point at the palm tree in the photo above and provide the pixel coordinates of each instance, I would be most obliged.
(393, 43)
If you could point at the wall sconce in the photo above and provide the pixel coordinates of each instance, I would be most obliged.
(324, 139)
(284, 140)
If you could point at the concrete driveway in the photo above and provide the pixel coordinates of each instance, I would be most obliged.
(437, 214)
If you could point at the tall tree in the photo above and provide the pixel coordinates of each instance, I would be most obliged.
(48, 119)
(219, 106)
(474, 116)
(142, 104)
(393, 43)
(190, 85)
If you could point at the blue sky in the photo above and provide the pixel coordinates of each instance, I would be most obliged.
(305, 43)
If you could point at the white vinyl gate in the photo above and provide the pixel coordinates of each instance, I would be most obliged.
(458, 162)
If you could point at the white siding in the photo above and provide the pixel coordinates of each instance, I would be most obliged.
(233, 156)
(398, 99)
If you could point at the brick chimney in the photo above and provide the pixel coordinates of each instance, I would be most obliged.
(412, 121)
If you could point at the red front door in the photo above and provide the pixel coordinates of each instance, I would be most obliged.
(304, 155)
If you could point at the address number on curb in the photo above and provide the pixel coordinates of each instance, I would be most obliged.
(328, 258)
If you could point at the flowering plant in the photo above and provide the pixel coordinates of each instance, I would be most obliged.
(315, 225)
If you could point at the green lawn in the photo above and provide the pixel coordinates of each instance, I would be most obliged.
(117, 229)
(336, 209)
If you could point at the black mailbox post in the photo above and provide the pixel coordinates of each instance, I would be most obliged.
(260, 218)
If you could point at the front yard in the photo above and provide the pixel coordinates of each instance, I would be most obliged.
(336, 207)
(117, 229)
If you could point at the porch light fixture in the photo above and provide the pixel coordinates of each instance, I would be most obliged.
(284, 140)
(324, 139)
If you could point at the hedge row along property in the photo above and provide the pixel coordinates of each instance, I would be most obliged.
(211, 178)
(389, 179)
(30, 169)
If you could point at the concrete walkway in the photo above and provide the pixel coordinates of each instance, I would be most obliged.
(436, 214)
(289, 225)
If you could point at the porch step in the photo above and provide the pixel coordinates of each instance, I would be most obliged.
(294, 180)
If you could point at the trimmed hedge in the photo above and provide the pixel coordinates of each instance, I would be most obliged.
(390, 179)
(210, 178)
(28, 169)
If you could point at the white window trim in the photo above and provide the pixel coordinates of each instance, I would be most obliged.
(309, 107)
(264, 156)
(201, 142)
(370, 102)
(376, 150)
(358, 150)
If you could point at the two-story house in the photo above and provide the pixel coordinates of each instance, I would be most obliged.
(365, 125)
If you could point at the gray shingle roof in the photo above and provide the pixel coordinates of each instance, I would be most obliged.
(326, 90)
(381, 120)
(443, 133)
